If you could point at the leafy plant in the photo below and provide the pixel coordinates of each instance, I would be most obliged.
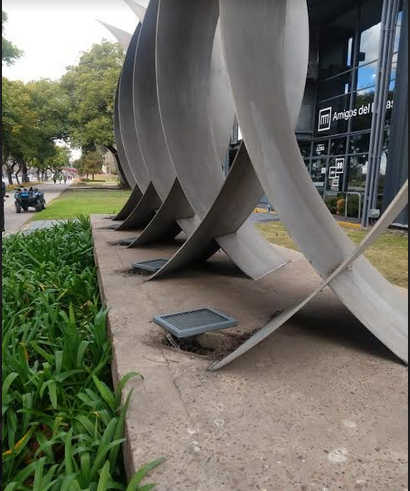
(63, 424)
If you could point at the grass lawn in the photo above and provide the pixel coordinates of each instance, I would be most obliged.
(100, 180)
(74, 203)
(389, 254)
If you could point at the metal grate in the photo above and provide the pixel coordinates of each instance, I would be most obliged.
(193, 323)
(127, 242)
(150, 266)
(111, 227)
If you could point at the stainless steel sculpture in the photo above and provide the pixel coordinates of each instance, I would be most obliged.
(257, 47)
(197, 117)
(189, 69)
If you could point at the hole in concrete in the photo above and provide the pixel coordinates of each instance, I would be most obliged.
(213, 345)
(188, 345)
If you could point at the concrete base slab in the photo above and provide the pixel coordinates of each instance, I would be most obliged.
(319, 405)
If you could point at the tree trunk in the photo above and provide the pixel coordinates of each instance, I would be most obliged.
(24, 174)
(124, 184)
(9, 171)
(18, 172)
(38, 174)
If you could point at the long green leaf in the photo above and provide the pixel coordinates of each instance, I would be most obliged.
(142, 473)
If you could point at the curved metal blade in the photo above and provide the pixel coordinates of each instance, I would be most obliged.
(254, 42)
(126, 117)
(138, 9)
(123, 37)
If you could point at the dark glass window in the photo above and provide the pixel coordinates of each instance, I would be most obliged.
(360, 143)
(358, 166)
(321, 148)
(338, 146)
(318, 173)
(336, 170)
(336, 45)
(370, 29)
(364, 106)
(305, 148)
(335, 86)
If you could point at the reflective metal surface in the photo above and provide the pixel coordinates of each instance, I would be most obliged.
(189, 69)
(257, 51)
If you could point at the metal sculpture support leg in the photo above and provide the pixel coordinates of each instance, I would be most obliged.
(225, 218)
(396, 337)
(164, 225)
(255, 40)
(143, 212)
(130, 205)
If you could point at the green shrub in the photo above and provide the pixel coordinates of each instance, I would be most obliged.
(331, 203)
(63, 424)
(353, 206)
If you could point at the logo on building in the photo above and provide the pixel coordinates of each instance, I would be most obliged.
(325, 119)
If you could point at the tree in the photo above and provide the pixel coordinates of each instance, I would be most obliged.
(34, 117)
(91, 87)
(90, 163)
(50, 104)
(10, 53)
(19, 126)
(56, 162)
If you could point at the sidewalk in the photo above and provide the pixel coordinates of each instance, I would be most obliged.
(320, 405)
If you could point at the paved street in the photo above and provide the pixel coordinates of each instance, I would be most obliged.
(14, 221)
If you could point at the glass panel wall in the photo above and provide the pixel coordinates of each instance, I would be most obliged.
(348, 69)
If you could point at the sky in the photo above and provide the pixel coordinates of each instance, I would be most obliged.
(53, 33)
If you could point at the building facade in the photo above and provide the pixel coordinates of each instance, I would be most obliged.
(341, 108)
(355, 152)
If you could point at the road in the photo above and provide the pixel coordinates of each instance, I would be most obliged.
(14, 221)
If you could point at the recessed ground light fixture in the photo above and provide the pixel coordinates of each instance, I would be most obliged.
(110, 227)
(195, 322)
(150, 266)
(127, 242)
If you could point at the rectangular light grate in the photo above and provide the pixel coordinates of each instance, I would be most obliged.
(150, 266)
(193, 323)
(127, 242)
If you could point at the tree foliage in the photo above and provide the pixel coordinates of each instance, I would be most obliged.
(90, 163)
(34, 118)
(9, 52)
(91, 86)
(78, 109)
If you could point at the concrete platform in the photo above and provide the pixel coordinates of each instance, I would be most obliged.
(321, 405)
